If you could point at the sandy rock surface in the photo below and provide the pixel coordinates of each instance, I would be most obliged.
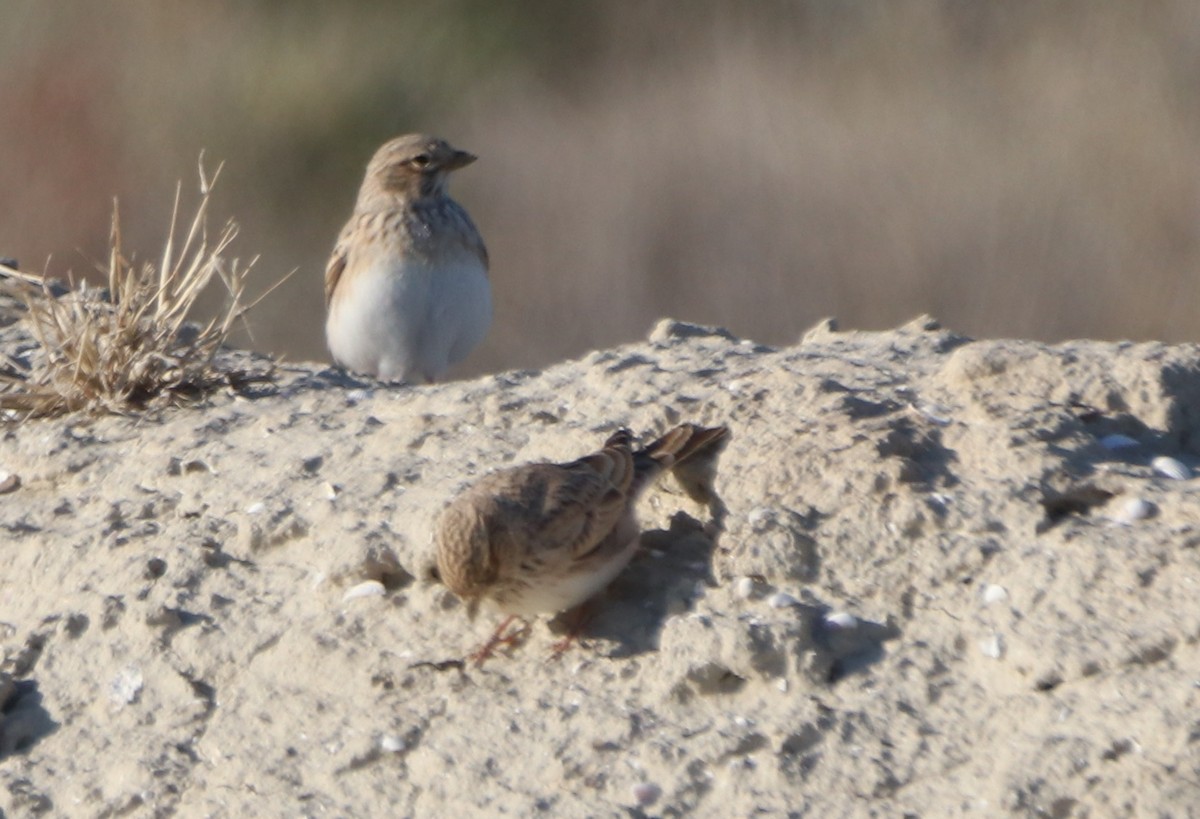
(942, 577)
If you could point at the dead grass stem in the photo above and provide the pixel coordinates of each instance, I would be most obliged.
(131, 346)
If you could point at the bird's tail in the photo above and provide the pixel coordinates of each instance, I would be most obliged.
(688, 450)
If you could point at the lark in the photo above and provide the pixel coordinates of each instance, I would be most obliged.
(544, 537)
(406, 289)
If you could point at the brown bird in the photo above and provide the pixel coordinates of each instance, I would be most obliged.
(407, 285)
(543, 537)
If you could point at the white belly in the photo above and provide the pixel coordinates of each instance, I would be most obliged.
(566, 592)
(409, 322)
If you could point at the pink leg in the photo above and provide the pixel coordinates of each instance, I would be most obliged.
(498, 638)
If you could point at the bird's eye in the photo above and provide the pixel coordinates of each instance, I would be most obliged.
(421, 160)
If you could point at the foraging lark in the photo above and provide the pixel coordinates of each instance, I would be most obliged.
(545, 537)
(407, 288)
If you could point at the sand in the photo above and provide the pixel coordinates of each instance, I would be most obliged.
(941, 577)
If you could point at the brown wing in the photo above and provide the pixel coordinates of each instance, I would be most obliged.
(583, 502)
(333, 272)
(339, 258)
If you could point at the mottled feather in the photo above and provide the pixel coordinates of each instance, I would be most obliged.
(544, 537)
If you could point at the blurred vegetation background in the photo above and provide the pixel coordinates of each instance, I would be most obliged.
(1015, 168)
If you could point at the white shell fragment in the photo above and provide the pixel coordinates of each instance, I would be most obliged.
(934, 414)
(255, 508)
(367, 588)
(9, 481)
(392, 744)
(744, 588)
(781, 600)
(1133, 509)
(992, 646)
(1118, 441)
(1171, 468)
(841, 619)
(126, 687)
(994, 594)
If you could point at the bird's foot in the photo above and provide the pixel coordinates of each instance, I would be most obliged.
(498, 639)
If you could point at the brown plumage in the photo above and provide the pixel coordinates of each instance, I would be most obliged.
(406, 286)
(545, 537)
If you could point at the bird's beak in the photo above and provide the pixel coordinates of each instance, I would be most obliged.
(458, 159)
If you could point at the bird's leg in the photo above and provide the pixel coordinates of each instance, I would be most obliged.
(498, 638)
(578, 619)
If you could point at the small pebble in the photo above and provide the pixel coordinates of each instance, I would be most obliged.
(1118, 441)
(1134, 509)
(367, 588)
(994, 594)
(646, 793)
(156, 567)
(9, 481)
(841, 619)
(992, 646)
(781, 600)
(782, 684)
(744, 588)
(1171, 468)
(197, 466)
(255, 508)
(331, 490)
(392, 743)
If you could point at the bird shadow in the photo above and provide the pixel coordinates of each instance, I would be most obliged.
(24, 721)
(671, 568)
(333, 378)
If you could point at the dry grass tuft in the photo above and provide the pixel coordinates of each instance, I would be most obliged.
(130, 346)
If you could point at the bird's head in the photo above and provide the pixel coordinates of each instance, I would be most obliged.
(466, 562)
(413, 166)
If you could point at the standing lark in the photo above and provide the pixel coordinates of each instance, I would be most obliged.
(407, 288)
(543, 538)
